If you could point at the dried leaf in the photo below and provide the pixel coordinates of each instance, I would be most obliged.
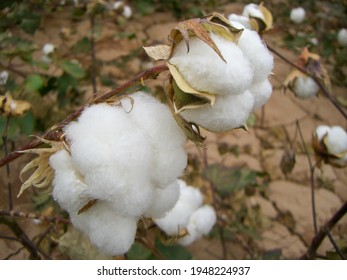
(288, 161)
(86, 207)
(159, 52)
(12, 107)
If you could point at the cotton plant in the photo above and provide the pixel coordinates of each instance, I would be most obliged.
(219, 73)
(297, 15)
(330, 145)
(189, 219)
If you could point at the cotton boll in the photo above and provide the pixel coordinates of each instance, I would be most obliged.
(127, 12)
(205, 71)
(69, 190)
(261, 92)
(190, 196)
(256, 52)
(305, 87)
(252, 10)
(48, 49)
(227, 113)
(164, 199)
(112, 234)
(4, 77)
(240, 22)
(321, 131)
(297, 15)
(337, 140)
(342, 37)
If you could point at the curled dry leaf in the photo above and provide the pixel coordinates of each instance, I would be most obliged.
(262, 24)
(159, 52)
(12, 107)
(43, 174)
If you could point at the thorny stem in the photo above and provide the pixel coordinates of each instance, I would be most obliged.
(312, 169)
(54, 134)
(92, 42)
(319, 237)
(321, 86)
(8, 168)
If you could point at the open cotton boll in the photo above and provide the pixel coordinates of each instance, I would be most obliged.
(201, 222)
(110, 233)
(252, 10)
(321, 131)
(342, 37)
(48, 49)
(164, 199)
(256, 52)
(261, 92)
(127, 12)
(69, 190)
(228, 112)
(297, 15)
(205, 71)
(305, 87)
(4, 77)
(336, 141)
(240, 22)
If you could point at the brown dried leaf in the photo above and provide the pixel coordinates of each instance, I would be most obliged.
(159, 52)
(12, 107)
(86, 207)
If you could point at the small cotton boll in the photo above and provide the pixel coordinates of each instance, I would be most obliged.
(321, 131)
(4, 77)
(257, 53)
(239, 22)
(227, 113)
(48, 49)
(190, 196)
(205, 71)
(117, 5)
(46, 59)
(337, 140)
(261, 92)
(127, 12)
(342, 37)
(297, 15)
(252, 10)
(68, 188)
(164, 200)
(305, 87)
(110, 233)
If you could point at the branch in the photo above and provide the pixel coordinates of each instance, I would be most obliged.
(319, 237)
(54, 134)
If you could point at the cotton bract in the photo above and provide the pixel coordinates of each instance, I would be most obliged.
(188, 214)
(116, 161)
(239, 85)
(297, 15)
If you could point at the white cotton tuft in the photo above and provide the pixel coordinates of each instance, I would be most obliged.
(228, 112)
(240, 22)
(305, 87)
(297, 15)
(109, 232)
(261, 93)
(252, 10)
(342, 37)
(48, 49)
(117, 5)
(336, 141)
(127, 12)
(4, 77)
(205, 71)
(321, 131)
(256, 52)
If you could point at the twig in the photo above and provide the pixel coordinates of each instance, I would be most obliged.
(335, 246)
(312, 169)
(319, 237)
(14, 253)
(321, 86)
(8, 168)
(92, 42)
(8, 237)
(19, 214)
(54, 134)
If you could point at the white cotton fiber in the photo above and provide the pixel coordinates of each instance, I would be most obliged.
(205, 71)
(164, 199)
(337, 140)
(111, 233)
(240, 22)
(261, 93)
(321, 131)
(342, 37)
(256, 52)
(305, 87)
(252, 10)
(228, 112)
(297, 15)
(69, 189)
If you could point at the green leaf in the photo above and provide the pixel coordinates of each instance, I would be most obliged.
(229, 180)
(274, 254)
(64, 83)
(27, 123)
(82, 46)
(73, 68)
(138, 252)
(30, 23)
(173, 252)
(34, 83)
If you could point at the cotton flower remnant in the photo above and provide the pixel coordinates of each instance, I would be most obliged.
(330, 145)
(47, 50)
(342, 37)
(122, 165)
(303, 85)
(254, 17)
(189, 219)
(220, 75)
(297, 15)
